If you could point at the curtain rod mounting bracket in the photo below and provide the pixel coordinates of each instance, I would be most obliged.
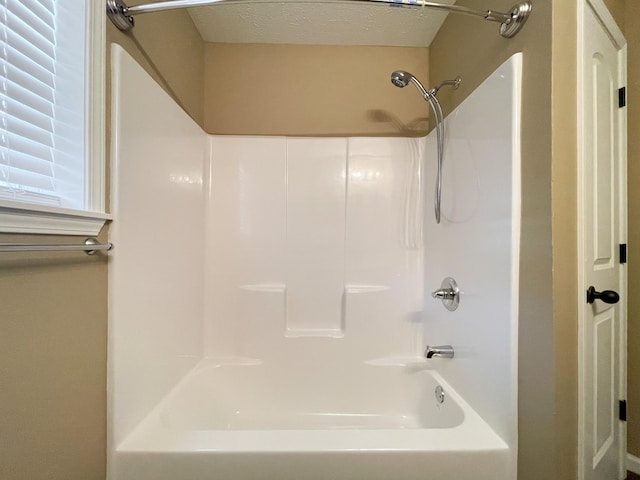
(517, 16)
(510, 23)
(118, 13)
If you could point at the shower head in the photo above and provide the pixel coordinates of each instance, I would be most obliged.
(401, 79)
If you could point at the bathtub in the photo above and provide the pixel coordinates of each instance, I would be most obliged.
(245, 420)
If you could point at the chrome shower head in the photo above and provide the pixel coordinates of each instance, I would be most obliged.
(401, 79)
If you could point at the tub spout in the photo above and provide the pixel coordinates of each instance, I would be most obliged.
(443, 351)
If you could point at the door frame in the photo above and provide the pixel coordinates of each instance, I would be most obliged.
(617, 37)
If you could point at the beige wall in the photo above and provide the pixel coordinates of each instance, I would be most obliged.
(564, 237)
(632, 33)
(53, 334)
(473, 49)
(312, 90)
(53, 328)
(617, 9)
(170, 48)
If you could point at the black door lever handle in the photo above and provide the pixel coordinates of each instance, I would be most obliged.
(607, 296)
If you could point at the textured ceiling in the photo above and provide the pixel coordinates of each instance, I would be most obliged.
(316, 23)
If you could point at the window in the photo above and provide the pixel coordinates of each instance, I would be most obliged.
(51, 116)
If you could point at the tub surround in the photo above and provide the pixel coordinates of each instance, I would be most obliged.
(234, 356)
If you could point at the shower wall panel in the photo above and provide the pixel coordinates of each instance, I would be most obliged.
(316, 199)
(477, 243)
(383, 293)
(155, 274)
(245, 243)
(313, 244)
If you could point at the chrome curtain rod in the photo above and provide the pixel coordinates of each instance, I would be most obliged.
(510, 23)
(90, 246)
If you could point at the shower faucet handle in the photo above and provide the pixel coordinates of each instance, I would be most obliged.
(449, 293)
(444, 294)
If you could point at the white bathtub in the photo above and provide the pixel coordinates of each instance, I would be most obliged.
(254, 421)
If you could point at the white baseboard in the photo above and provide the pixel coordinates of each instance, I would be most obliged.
(633, 464)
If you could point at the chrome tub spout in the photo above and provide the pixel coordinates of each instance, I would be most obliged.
(442, 351)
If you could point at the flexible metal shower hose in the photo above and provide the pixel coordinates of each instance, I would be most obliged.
(437, 111)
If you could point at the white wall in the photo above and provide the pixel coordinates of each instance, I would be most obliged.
(156, 269)
(477, 243)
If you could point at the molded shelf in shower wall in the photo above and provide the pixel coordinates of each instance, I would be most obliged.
(263, 309)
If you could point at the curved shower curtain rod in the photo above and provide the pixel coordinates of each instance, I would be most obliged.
(510, 23)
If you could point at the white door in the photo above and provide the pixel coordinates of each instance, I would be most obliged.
(602, 228)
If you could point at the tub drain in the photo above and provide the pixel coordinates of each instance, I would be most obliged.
(439, 394)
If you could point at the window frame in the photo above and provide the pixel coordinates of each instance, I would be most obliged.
(17, 217)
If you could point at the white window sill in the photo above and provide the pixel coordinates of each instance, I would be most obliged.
(20, 218)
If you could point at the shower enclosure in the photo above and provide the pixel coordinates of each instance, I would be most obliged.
(270, 297)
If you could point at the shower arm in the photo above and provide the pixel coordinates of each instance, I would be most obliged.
(455, 83)
(510, 23)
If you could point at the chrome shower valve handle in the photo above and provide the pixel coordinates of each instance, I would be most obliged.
(449, 293)
(444, 294)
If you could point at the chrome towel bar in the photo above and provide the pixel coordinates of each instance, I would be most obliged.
(90, 246)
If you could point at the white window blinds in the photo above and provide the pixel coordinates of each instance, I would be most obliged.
(42, 103)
